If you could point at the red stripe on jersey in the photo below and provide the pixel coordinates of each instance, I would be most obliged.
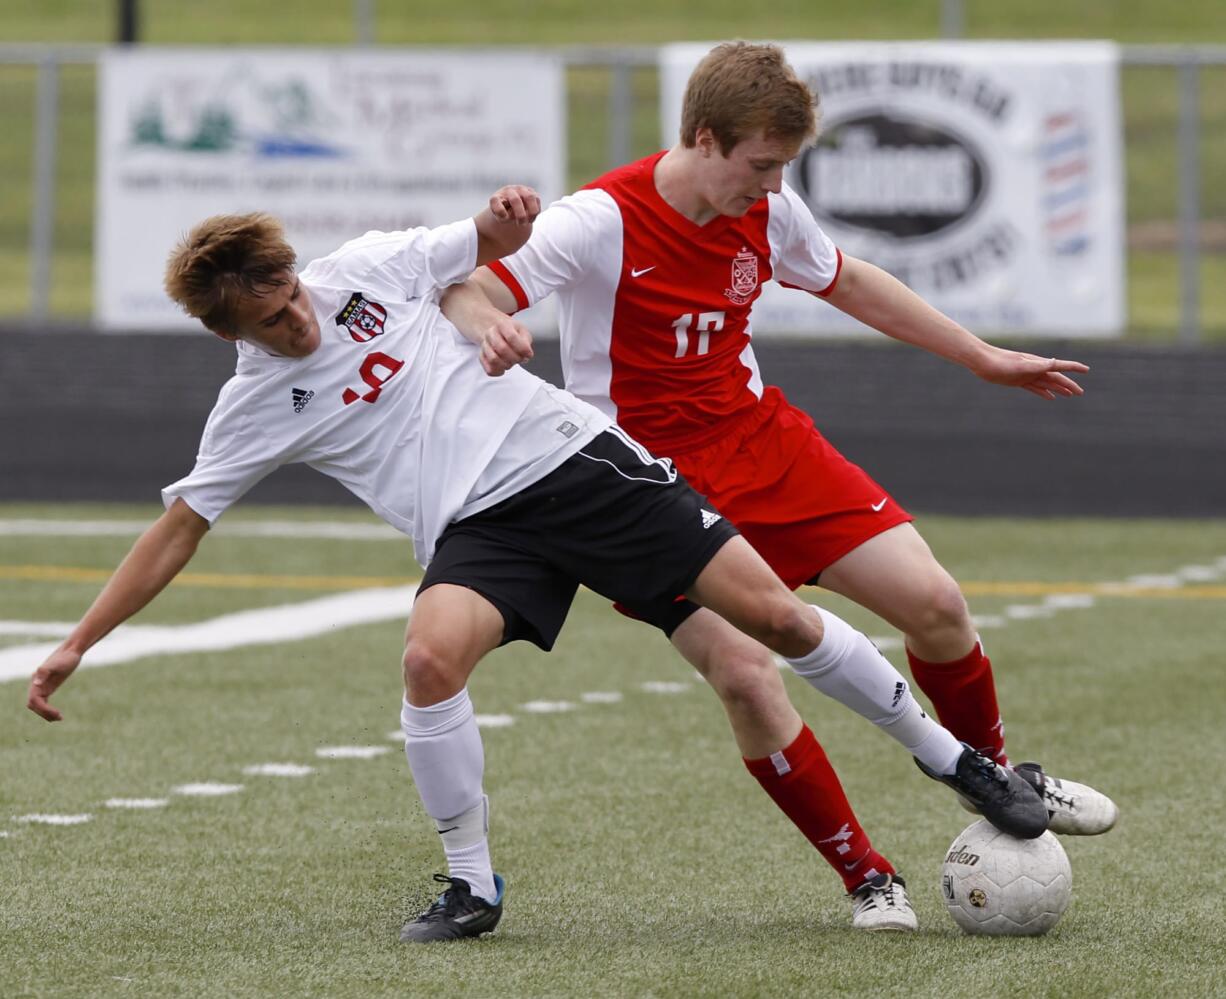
(507, 278)
(838, 269)
(825, 292)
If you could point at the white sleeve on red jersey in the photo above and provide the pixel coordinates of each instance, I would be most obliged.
(573, 240)
(802, 255)
(413, 262)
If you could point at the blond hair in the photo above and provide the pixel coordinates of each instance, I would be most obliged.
(223, 258)
(741, 88)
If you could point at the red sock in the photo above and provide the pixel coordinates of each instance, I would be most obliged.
(963, 694)
(803, 784)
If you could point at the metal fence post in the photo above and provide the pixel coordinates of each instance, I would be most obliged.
(42, 222)
(1189, 199)
(620, 111)
(953, 18)
(364, 22)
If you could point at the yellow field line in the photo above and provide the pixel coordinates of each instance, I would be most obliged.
(1027, 589)
(1019, 588)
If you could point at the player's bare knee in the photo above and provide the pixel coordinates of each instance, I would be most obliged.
(745, 675)
(429, 676)
(943, 613)
(792, 628)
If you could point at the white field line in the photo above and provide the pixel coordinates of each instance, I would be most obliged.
(278, 770)
(37, 629)
(601, 697)
(486, 721)
(206, 789)
(546, 707)
(235, 529)
(665, 687)
(264, 626)
(44, 819)
(136, 802)
(351, 752)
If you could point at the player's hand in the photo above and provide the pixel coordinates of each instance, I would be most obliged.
(1044, 376)
(47, 679)
(516, 203)
(505, 344)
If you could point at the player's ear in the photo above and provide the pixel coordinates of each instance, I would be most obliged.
(225, 335)
(704, 140)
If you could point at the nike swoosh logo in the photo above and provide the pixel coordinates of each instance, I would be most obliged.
(637, 273)
(877, 506)
(452, 829)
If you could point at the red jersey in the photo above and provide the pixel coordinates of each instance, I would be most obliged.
(655, 311)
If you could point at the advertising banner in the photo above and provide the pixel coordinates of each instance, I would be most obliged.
(333, 142)
(986, 176)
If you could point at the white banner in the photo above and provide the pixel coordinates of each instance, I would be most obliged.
(334, 142)
(987, 176)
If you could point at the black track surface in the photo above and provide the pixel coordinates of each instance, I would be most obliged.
(88, 416)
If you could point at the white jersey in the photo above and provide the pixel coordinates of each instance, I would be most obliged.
(393, 404)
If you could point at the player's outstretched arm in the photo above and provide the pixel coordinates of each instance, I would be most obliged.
(506, 222)
(881, 301)
(156, 558)
(478, 309)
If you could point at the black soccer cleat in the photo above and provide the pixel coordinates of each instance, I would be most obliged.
(456, 914)
(1002, 796)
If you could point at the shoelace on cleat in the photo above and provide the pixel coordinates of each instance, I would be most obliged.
(445, 906)
(867, 895)
(988, 768)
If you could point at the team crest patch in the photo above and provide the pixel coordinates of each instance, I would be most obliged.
(362, 318)
(744, 277)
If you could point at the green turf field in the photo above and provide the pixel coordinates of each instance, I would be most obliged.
(1149, 100)
(641, 859)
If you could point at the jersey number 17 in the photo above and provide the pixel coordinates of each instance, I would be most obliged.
(704, 323)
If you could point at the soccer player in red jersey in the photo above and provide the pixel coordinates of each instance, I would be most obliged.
(656, 266)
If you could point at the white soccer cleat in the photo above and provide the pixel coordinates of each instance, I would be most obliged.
(1075, 809)
(882, 904)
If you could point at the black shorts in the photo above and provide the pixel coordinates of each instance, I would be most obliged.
(611, 517)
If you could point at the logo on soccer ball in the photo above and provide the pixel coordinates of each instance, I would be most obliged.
(961, 855)
(744, 277)
(362, 318)
(977, 897)
(947, 887)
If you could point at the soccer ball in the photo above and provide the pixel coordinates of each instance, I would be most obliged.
(998, 885)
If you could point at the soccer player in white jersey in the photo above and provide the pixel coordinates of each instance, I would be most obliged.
(513, 491)
(656, 267)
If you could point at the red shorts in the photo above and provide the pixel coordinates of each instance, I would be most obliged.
(799, 502)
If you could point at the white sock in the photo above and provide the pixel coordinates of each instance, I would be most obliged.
(443, 747)
(467, 846)
(849, 668)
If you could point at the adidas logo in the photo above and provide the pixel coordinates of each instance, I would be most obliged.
(301, 398)
(900, 688)
(709, 518)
